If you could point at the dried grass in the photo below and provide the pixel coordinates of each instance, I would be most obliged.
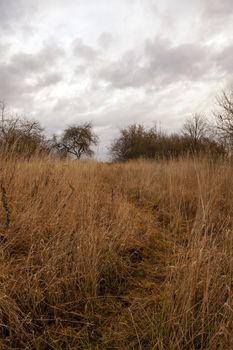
(116, 256)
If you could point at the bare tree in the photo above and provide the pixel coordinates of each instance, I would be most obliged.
(196, 127)
(224, 118)
(19, 135)
(76, 141)
(136, 141)
(3, 117)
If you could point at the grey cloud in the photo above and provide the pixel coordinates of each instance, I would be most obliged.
(12, 86)
(4, 50)
(224, 59)
(216, 18)
(123, 73)
(38, 61)
(80, 69)
(105, 40)
(99, 82)
(49, 79)
(188, 61)
(25, 74)
(14, 12)
(160, 63)
(150, 6)
(218, 8)
(83, 51)
(71, 106)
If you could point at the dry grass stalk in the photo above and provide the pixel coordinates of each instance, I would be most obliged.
(121, 256)
(5, 206)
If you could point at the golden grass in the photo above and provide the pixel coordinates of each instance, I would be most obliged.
(116, 256)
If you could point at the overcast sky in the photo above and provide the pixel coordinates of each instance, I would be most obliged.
(114, 62)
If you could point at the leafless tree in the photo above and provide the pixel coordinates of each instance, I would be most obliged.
(196, 127)
(136, 141)
(75, 141)
(19, 135)
(224, 118)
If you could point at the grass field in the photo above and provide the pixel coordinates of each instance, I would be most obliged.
(116, 256)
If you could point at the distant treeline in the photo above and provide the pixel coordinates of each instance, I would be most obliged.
(25, 138)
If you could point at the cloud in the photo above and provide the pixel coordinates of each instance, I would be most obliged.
(14, 13)
(26, 73)
(115, 62)
(47, 80)
(187, 61)
(218, 9)
(83, 51)
(105, 40)
(150, 6)
(224, 60)
(22, 63)
(216, 20)
(4, 51)
(160, 63)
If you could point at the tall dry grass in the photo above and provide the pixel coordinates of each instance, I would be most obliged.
(116, 256)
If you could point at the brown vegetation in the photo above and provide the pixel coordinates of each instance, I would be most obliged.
(136, 141)
(116, 256)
